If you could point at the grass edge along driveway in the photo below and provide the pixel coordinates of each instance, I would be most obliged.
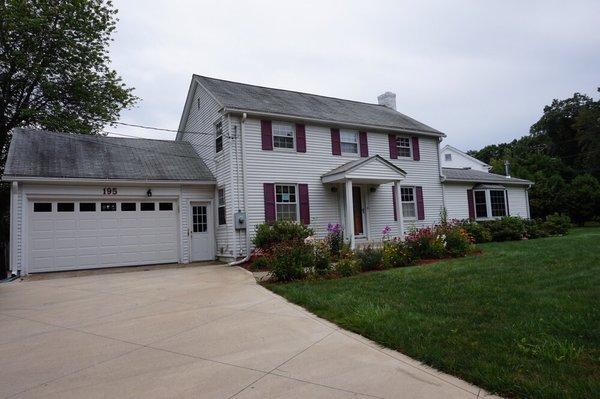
(520, 320)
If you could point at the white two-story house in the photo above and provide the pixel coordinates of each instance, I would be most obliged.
(243, 155)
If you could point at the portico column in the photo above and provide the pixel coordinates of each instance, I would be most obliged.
(399, 208)
(349, 213)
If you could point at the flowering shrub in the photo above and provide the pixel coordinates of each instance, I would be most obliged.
(396, 254)
(458, 241)
(335, 238)
(369, 258)
(322, 258)
(479, 232)
(346, 267)
(290, 260)
(427, 243)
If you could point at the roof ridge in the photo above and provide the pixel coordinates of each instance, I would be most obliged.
(297, 92)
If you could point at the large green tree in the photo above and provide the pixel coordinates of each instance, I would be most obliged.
(55, 69)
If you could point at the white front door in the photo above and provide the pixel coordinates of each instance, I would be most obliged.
(201, 226)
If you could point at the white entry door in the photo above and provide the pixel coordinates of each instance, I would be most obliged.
(201, 238)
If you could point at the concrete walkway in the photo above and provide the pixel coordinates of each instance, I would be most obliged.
(197, 332)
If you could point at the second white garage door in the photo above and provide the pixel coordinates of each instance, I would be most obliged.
(68, 235)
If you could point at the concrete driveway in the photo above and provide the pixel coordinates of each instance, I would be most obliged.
(198, 332)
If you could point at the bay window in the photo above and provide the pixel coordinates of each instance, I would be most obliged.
(490, 203)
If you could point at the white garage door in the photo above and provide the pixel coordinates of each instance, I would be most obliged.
(81, 234)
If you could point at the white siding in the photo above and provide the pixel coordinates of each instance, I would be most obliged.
(200, 132)
(457, 204)
(292, 167)
(460, 161)
(517, 202)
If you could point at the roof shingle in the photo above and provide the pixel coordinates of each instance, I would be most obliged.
(39, 153)
(479, 176)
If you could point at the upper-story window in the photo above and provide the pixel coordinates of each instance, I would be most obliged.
(349, 141)
(404, 147)
(218, 137)
(409, 205)
(284, 135)
(286, 206)
(448, 157)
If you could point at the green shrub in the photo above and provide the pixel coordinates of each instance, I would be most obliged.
(458, 241)
(479, 232)
(369, 258)
(508, 228)
(322, 258)
(557, 224)
(268, 235)
(259, 264)
(396, 253)
(290, 261)
(533, 229)
(346, 267)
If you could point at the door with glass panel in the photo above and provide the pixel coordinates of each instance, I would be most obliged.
(201, 227)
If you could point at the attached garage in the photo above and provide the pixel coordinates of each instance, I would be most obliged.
(81, 202)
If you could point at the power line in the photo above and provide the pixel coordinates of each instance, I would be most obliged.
(160, 129)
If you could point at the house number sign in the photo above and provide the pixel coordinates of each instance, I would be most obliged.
(109, 191)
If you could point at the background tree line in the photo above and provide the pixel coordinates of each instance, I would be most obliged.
(561, 155)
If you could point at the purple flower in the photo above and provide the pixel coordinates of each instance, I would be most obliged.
(334, 228)
(386, 231)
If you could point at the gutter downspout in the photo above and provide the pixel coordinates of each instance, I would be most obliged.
(442, 177)
(245, 188)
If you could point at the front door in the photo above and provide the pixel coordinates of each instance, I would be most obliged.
(201, 240)
(358, 211)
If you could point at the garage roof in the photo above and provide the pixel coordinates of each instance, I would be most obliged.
(40, 153)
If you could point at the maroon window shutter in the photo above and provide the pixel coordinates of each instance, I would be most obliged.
(394, 203)
(266, 133)
(269, 192)
(364, 144)
(420, 203)
(415, 148)
(507, 208)
(304, 205)
(300, 138)
(471, 203)
(393, 146)
(336, 145)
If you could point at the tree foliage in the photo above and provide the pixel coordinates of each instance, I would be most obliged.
(54, 67)
(561, 155)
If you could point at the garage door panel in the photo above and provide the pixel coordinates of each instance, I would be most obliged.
(74, 240)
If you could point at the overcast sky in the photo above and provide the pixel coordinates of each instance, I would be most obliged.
(480, 71)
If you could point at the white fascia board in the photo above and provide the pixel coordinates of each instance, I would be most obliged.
(373, 128)
(33, 179)
(508, 182)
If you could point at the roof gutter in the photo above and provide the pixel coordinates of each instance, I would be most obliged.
(36, 179)
(516, 183)
(237, 111)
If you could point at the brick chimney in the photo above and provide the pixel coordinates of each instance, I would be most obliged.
(387, 99)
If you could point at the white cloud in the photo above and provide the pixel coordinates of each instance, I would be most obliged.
(479, 71)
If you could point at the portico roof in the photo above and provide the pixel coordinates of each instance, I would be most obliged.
(371, 170)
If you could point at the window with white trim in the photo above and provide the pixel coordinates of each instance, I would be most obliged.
(284, 135)
(218, 137)
(404, 147)
(286, 204)
(349, 141)
(222, 209)
(490, 203)
(409, 204)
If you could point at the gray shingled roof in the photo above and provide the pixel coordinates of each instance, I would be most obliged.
(479, 176)
(286, 102)
(39, 153)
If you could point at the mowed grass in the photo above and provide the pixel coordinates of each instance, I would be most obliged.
(521, 320)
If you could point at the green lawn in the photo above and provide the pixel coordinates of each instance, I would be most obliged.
(520, 320)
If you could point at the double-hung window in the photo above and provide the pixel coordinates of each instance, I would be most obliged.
(284, 135)
(409, 204)
(349, 141)
(490, 203)
(218, 137)
(222, 209)
(403, 146)
(286, 204)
